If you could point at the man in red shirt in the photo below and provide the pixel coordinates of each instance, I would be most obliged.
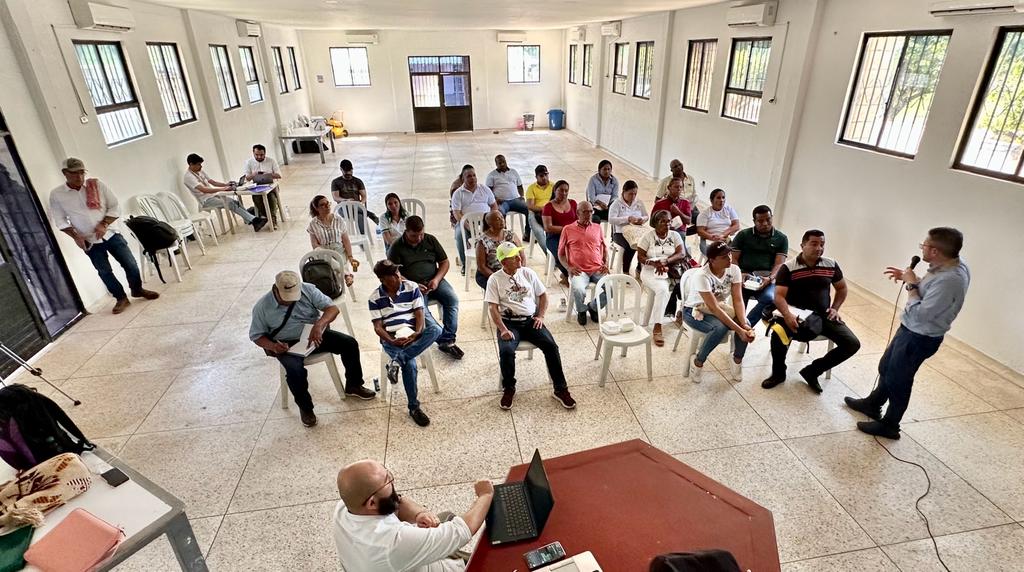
(582, 250)
(675, 204)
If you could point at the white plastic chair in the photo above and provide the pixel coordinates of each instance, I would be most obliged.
(154, 207)
(831, 346)
(424, 358)
(517, 221)
(415, 207)
(472, 228)
(200, 221)
(352, 212)
(570, 304)
(148, 205)
(623, 302)
(696, 338)
(323, 357)
(328, 254)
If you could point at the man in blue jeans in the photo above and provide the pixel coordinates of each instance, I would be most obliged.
(934, 301)
(84, 210)
(760, 251)
(404, 327)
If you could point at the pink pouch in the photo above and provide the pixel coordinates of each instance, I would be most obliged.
(80, 543)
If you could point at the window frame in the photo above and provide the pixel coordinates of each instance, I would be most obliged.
(704, 43)
(759, 94)
(114, 107)
(615, 66)
(230, 76)
(892, 89)
(294, 61)
(255, 81)
(508, 67)
(369, 77)
(573, 56)
(975, 110)
(588, 66)
(649, 45)
(184, 82)
(282, 80)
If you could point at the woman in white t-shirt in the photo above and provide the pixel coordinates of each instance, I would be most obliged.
(714, 305)
(658, 250)
(392, 222)
(718, 223)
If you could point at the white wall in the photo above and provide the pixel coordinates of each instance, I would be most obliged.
(386, 105)
(583, 102)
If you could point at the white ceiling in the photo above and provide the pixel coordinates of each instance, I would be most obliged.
(432, 14)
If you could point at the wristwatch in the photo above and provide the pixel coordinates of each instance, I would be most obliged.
(911, 287)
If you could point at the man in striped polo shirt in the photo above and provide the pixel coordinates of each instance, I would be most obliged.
(405, 329)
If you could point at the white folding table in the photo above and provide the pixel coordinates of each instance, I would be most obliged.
(247, 190)
(305, 134)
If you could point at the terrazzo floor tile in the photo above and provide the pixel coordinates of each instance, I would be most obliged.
(112, 445)
(147, 349)
(70, 352)
(879, 491)
(322, 389)
(1017, 414)
(995, 549)
(871, 560)
(808, 521)
(158, 556)
(995, 389)
(101, 319)
(213, 276)
(116, 404)
(186, 308)
(201, 467)
(287, 538)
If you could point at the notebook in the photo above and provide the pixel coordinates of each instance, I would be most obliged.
(299, 348)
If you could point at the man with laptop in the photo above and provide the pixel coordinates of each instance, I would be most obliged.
(263, 170)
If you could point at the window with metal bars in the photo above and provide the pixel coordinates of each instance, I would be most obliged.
(748, 67)
(993, 144)
(524, 64)
(350, 66)
(643, 70)
(110, 88)
(619, 77)
(252, 78)
(573, 61)
(295, 68)
(700, 61)
(171, 81)
(893, 90)
(588, 64)
(282, 81)
(225, 77)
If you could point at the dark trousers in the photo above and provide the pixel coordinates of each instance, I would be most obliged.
(599, 215)
(627, 251)
(552, 241)
(900, 362)
(846, 342)
(334, 342)
(523, 330)
(261, 205)
(117, 247)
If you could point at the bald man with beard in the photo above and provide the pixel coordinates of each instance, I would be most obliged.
(378, 530)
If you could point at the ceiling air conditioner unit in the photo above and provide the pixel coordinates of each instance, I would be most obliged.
(578, 34)
(613, 29)
(762, 14)
(974, 7)
(364, 39)
(247, 29)
(96, 16)
(511, 37)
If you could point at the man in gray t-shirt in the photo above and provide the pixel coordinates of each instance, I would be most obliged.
(934, 302)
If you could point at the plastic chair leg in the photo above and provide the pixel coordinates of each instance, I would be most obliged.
(284, 389)
(184, 254)
(650, 375)
(172, 258)
(332, 368)
(428, 360)
(597, 353)
(197, 232)
(605, 364)
(483, 316)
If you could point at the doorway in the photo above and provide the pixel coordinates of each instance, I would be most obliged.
(441, 95)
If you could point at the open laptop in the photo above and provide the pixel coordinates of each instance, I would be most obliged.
(520, 510)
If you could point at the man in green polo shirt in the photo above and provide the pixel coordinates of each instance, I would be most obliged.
(425, 262)
(760, 251)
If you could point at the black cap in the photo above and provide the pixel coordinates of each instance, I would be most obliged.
(540, 169)
(386, 268)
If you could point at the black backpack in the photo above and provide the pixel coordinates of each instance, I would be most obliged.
(154, 235)
(320, 273)
(34, 429)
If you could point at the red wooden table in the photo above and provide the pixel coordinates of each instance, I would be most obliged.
(629, 502)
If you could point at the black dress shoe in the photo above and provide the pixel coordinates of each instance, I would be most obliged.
(360, 392)
(772, 381)
(452, 350)
(878, 429)
(593, 314)
(308, 417)
(581, 318)
(812, 380)
(862, 406)
(419, 417)
(258, 223)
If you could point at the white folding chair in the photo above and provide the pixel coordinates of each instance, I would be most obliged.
(148, 205)
(570, 305)
(352, 212)
(472, 228)
(415, 207)
(180, 221)
(329, 254)
(517, 222)
(623, 302)
(324, 358)
(424, 358)
(200, 221)
(696, 338)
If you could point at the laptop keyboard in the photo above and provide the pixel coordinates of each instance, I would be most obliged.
(517, 511)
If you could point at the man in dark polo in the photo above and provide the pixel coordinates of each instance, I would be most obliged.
(760, 251)
(425, 262)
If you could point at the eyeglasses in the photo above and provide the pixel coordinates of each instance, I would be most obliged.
(924, 245)
(389, 481)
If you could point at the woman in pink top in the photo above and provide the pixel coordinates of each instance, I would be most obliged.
(559, 212)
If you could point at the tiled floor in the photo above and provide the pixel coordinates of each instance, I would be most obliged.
(176, 389)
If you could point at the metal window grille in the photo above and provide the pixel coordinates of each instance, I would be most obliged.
(118, 111)
(748, 67)
(700, 61)
(171, 81)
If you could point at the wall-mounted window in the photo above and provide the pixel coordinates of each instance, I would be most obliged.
(993, 144)
(893, 90)
(225, 77)
(643, 70)
(295, 68)
(282, 81)
(700, 61)
(748, 67)
(574, 60)
(588, 64)
(350, 66)
(170, 80)
(252, 78)
(524, 64)
(621, 60)
(111, 91)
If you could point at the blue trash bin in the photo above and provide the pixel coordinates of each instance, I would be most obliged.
(556, 119)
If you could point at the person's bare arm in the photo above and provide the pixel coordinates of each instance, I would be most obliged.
(531, 204)
(503, 332)
(841, 291)
(735, 257)
(382, 333)
(520, 189)
(783, 307)
(780, 259)
(79, 239)
(458, 214)
(737, 303)
(409, 509)
(702, 231)
(270, 345)
(314, 241)
(442, 270)
(549, 227)
(733, 227)
(474, 517)
(481, 260)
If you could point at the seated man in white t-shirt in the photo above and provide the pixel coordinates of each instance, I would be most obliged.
(378, 530)
(205, 190)
(263, 170)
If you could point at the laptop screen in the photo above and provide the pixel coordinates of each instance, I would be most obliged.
(537, 484)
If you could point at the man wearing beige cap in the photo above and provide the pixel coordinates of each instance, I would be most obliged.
(278, 320)
(84, 210)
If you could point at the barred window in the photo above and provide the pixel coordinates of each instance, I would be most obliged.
(643, 72)
(588, 64)
(700, 61)
(619, 78)
(252, 78)
(573, 62)
(282, 81)
(225, 77)
(295, 68)
(170, 80)
(748, 66)
(111, 91)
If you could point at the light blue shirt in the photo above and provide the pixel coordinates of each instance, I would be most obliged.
(942, 295)
(598, 187)
(267, 314)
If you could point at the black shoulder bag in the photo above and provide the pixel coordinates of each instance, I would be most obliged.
(272, 335)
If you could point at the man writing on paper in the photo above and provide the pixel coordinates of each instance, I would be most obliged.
(278, 320)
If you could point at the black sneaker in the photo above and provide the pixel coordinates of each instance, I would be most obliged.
(581, 318)
(360, 392)
(862, 406)
(419, 417)
(308, 417)
(506, 399)
(258, 223)
(812, 380)
(452, 350)
(565, 399)
(772, 381)
(879, 429)
(393, 368)
(593, 314)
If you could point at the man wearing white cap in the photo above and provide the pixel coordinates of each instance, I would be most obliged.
(278, 320)
(516, 301)
(84, 210)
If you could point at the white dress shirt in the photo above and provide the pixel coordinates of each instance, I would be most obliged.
(68, 209)
(267, 165)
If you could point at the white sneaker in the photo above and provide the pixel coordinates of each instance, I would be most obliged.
(696, 374)
(737, 371)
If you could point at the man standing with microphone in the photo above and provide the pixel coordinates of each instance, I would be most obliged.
(934, 301)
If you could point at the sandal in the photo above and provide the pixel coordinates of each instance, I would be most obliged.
(349, 280)
(355, 265)
(659, 338)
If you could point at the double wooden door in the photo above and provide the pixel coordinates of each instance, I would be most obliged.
(441, 95)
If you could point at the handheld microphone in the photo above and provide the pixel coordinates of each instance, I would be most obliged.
(914, 261)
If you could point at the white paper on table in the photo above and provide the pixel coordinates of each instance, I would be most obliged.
(299, 348)
(606, 199)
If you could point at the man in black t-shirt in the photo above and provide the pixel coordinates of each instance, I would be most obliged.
(805, 283)
(348, 187)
